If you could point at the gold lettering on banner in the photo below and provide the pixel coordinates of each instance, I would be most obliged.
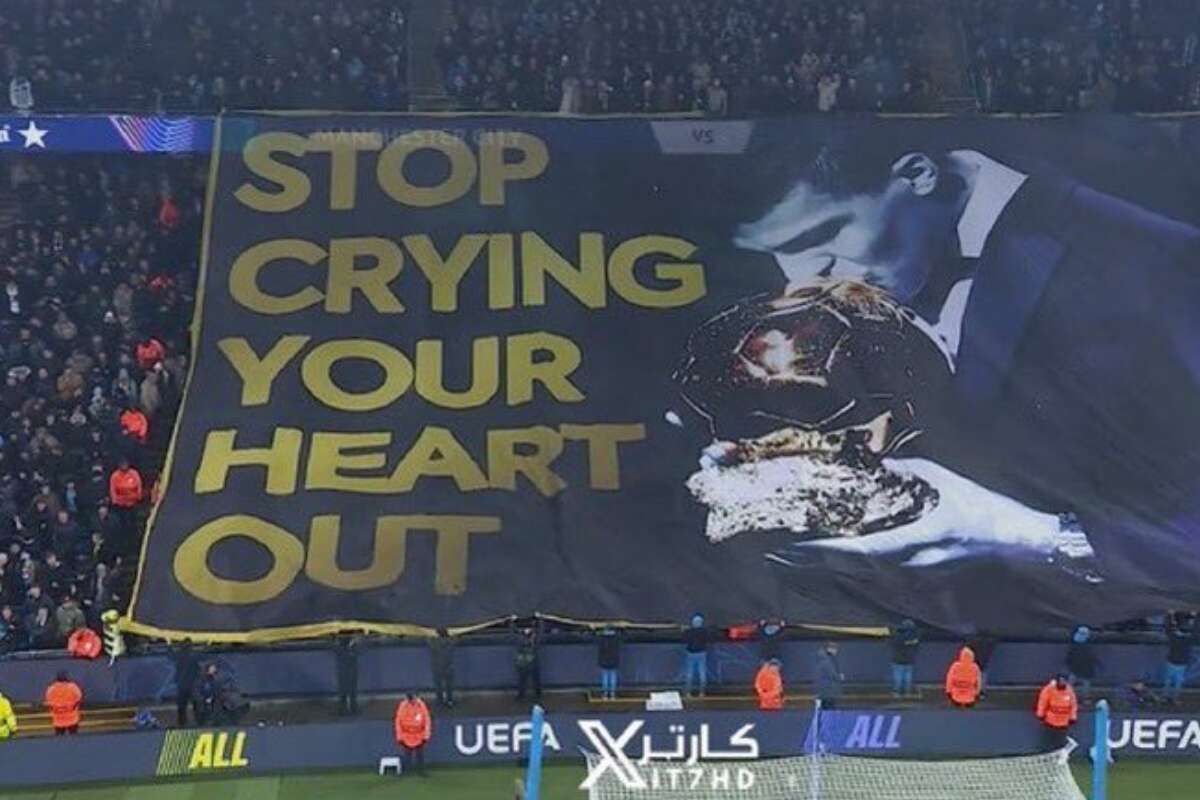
(358, 462)
(530, 360)
(319, 562)
(344, 271)
(278, 160)
(676, 280)
(281, 460)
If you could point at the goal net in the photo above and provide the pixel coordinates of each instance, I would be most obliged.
(837, 777)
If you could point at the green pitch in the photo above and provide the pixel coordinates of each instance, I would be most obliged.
(1129, 781)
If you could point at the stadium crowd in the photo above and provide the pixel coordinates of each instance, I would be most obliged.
(98, 269)
(594, 56)
(719, 56)
(184, 55)
(1079, 55)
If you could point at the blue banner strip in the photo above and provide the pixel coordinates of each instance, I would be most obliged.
(107, 133)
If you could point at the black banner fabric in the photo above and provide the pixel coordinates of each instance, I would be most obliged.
(844, 371)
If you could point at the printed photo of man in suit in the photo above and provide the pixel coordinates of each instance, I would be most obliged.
(1073, 322)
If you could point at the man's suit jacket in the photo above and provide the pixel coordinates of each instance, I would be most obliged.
(1078, 378)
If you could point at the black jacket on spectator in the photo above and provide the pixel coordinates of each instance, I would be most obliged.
(905, 641)
(187, 670)
(1181, 641)
(441, 654)
(608, 651)
(12, 631)
(528, 647)
(42, 631)
(1082, 661)
(696, 639)
(346, 652)
(770, 641)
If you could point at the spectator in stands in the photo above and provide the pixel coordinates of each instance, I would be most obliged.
(695, 664)
(187, 671)
(962, 680)
(983, 645)
(829, 676)
(346, 656)
(720, 56)
(12, 633)
(69, 618)
(8, 719)
(1181, 642)
(40, 629)
(414, 728)
(1058, 710)
(1082, 663)
(768, 685)
(1033, 56)
(86, 263)
(197, 56)
(608, 657)
(827, 91)
(54, 573)
(64, 699)
(528, 661)
(716, 98)
(441, 659)
(905, 641)
(20, 94)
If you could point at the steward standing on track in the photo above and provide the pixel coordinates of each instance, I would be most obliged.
(414, 727)
(1057, 708)
(768, 684)
(64, 699)
(963, 679)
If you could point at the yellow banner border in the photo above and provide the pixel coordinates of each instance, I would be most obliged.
(127, 621)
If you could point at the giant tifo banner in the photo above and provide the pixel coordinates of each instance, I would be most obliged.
(845, 371)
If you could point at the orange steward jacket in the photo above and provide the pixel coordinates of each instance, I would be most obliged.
(413, 724)
(1057, 707)
(963, 679)
(64, 698)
